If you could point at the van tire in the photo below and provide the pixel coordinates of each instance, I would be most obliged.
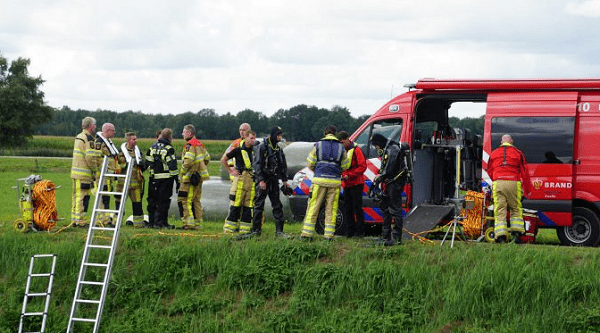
(585, 230)
(340, 220)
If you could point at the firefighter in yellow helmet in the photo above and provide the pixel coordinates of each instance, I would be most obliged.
(193, 172)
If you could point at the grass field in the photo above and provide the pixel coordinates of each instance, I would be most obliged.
(202, 281)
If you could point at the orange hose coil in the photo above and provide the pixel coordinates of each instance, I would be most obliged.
(44, 201)
(474, 222)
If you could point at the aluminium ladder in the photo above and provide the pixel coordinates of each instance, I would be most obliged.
(46, 294)
(99, 253)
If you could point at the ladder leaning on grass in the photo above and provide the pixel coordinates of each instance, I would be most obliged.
(99, 251)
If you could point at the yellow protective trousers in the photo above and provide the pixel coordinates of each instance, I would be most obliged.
(242, 203)
(80, 201)
(320, 193)
(507, 197)
(189, 196)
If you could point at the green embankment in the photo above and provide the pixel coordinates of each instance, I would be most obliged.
(202, 281)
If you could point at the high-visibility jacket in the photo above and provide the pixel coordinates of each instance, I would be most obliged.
(328, 159)
(194, 159)
(113, 161)
(358, 165)
(161, 160)
(508, 163)
(137, 175)
(84, 166)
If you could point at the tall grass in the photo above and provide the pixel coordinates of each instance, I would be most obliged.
(177, 283)
(205, 282)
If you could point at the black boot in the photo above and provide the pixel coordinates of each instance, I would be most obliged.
(396, 239)
(254, 233)
(279, 230)
(386, 236)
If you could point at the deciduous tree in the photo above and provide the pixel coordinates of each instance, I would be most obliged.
(22, 106)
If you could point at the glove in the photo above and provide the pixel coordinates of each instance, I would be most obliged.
(286, 190)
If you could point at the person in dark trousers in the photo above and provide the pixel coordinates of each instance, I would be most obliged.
(510, 175)
(392, 177)
(162, 164)
(353, 184)
(269, 166)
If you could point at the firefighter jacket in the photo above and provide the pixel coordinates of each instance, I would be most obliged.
(234, 144)
(137, 175)
(328, 159)
(242, 156)
(393, 166)
(358, 166)
(161, 160)
(113, 161)
(84, 165)
(194, 159)
(269, 162)
(508, 163)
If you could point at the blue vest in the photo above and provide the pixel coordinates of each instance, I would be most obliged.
(329, 159)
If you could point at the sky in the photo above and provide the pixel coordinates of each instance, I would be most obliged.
(171, 57)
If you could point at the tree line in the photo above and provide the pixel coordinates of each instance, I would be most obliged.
(300, 123)
(24, 113)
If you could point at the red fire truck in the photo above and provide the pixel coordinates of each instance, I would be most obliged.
(555, 123)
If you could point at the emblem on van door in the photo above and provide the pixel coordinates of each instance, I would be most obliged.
(537, 184)
(394, 108)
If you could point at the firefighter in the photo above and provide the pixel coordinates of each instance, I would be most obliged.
(510, 177)
(102, 141)
(391, 177)
(193, 172)
(328, 159)
(269, 165)
(136, 184)
(83, 171)
(244, 129)
(242, 201)
(162, 163)
(353, 184)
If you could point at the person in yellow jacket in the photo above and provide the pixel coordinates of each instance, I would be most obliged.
(328, 159)
(242, 200)
(136, 184)
(83, 171)
(193, 172)
(102, 142)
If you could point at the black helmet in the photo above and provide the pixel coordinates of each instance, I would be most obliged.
(379, 140)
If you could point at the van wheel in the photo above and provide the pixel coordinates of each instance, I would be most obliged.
(339, 220)
(585, 230)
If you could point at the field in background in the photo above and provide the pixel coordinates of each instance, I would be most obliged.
(62, 146)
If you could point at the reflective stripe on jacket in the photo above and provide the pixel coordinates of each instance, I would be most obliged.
(328, 159)
(161, 160)
(194, 159)
(83, 166)
(358, 166)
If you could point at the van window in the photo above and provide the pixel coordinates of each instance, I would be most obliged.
(390, 128)
(541, 139)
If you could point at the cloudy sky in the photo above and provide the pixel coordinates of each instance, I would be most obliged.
(170, 57)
